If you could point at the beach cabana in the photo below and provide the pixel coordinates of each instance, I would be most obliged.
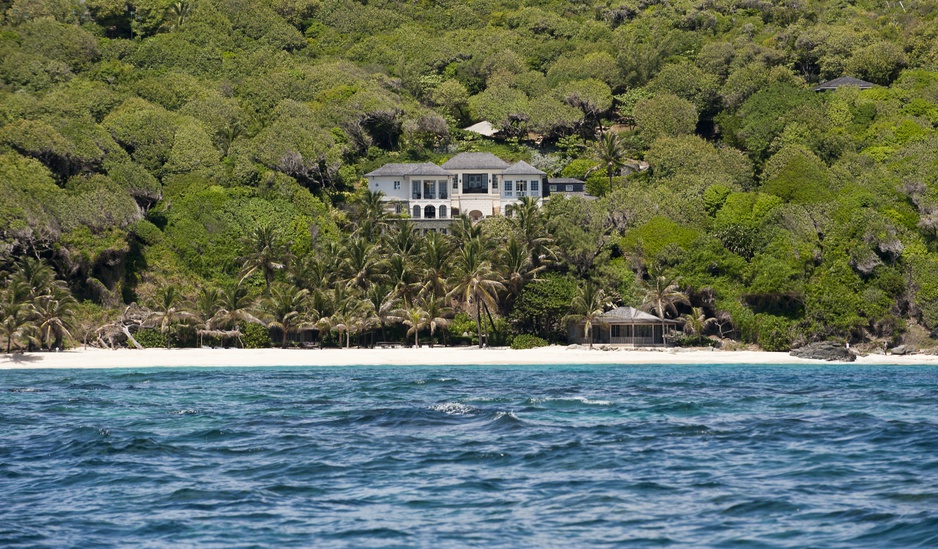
(626, 326)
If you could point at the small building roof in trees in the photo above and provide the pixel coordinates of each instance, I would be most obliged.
(401, 170)
(564, 181)
(522, 168)
(630, 315)
(475, 161)
(844, 81)
(482, 128)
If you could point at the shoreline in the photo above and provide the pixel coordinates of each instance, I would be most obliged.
(93, 358)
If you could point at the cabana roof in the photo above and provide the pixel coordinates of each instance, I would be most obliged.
(631, 315)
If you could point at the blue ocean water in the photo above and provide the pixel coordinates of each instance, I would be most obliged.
(528, 456)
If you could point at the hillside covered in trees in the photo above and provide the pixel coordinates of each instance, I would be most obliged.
(203, 159)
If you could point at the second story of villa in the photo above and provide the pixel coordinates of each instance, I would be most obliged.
(479, 184)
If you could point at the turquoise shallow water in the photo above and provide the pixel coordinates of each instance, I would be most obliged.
(548, 456)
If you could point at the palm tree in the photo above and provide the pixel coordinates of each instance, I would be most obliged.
(609, 151)
(661, 294)
(696, 321)
(588, 307)
(438, 316)
(477, 283)
(168, 311)
(360, 262)
(52, 314)
(178, 13)
(384, 304)
(371, 214)
(529, 218)
(266, 253)
(16, 317)
(415, 318)
(234, 307)
(435, 261)
(517, 267)
(287, 310)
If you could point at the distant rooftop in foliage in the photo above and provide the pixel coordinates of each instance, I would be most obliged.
(482, 128)
(844, 81)
(522, 168)
(425, 168)
(475, 161)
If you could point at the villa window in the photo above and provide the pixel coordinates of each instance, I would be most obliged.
(553, 188)
(442, 186)
(616, 330)
(535, 186)
(474, 183)
(569, 188)
(509, 187)
(442, 212)
(415, 190)
(429, 190)
(397, 185)
(429, 212)
(398, 208)
(494, 182)
(455, 182)
(416, 212)
(522, 187)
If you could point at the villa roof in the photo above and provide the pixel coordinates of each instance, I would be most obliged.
(844, 81)
(564, 180)
(401, 170)
(475, 161)
(630, 315)
(522, 168)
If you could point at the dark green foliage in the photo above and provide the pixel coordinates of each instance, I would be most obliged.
(151, 339)
(527, 341)
(142, 143)
(255, 336)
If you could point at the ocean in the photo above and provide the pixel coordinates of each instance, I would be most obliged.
(471, 456)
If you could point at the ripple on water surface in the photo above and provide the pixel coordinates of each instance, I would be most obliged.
(834, 456)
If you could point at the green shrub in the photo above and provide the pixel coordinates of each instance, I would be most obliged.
(527, 341)
(150, 338)
(255, 336)
(775, 333)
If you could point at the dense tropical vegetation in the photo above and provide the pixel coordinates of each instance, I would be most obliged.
(176, 171)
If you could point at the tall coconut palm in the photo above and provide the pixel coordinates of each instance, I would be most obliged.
(286, 309)
(662, 293)
(435, 261)
(517, 268)
(168, 310)
(415, 318)
(52, 316)
(438, 315)
(266, 252)
(360, 262)
(588, 307)
(529, 218)
(384, 304)
(370, 213)
(235, 304)
(16, 316)
(609, 151)
(477, 283)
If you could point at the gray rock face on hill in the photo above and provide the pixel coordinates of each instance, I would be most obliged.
(825, 350)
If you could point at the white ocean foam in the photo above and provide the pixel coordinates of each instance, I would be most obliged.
(188, 412)
(580, 399)
(453, 408)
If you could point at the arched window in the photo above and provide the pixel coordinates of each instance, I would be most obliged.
(442, 212)
(416, 212)
(429, 212)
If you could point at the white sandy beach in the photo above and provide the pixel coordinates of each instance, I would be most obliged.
(126, 358)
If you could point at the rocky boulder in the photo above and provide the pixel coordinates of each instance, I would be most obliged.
(904, 350)
(825, 350)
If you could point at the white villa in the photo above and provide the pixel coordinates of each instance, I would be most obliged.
(476, 184)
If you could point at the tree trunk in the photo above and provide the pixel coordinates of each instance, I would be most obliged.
(479, 322)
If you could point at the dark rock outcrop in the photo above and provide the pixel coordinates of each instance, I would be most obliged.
(825, 350)
(904, 350)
